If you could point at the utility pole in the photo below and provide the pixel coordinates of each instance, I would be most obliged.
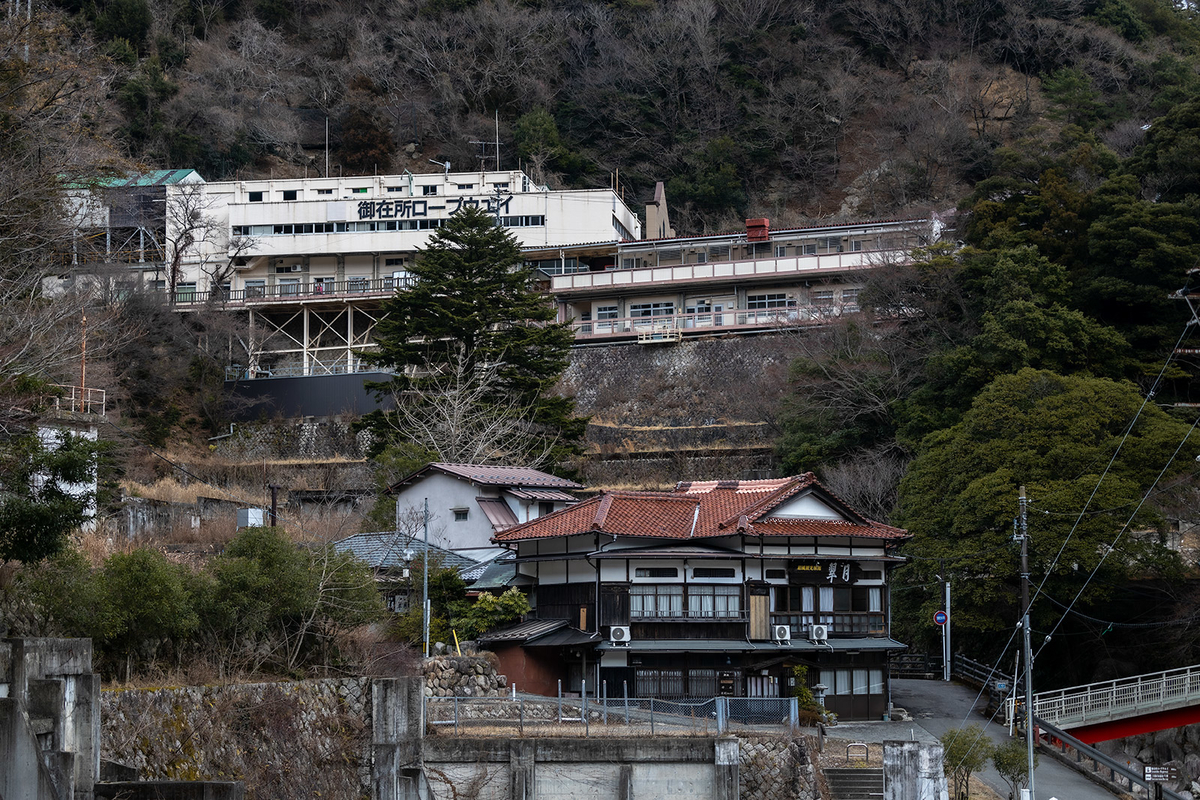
(425, 582)
(946, 652)
(1023, 537)
(274, 504)
(83, 365)
(946, 664)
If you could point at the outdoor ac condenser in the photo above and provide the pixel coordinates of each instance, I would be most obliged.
(781, 633)
(819, 633)
(619, 634)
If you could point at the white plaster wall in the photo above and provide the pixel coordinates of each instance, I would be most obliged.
(445, 494)
(806, 507)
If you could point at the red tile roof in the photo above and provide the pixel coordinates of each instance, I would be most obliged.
(700, 509)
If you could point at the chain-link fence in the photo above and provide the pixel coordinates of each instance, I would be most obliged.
(607, 716)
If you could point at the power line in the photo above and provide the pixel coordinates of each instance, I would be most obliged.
(1108, 551)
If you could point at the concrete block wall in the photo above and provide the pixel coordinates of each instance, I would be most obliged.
(49, 720)
(913, 771)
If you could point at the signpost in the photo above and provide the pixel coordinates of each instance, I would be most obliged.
(1157, 775)
(942, 618)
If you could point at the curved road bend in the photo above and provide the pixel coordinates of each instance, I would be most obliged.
(936, 707)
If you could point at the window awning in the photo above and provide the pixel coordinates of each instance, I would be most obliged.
(497, 512)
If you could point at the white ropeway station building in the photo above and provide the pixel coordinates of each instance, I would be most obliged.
(310, 260)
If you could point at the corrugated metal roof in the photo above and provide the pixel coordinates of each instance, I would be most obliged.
(542, 494)
(157, 177)
(496, 574)
(494, 475)
(524, 631)
(497, 512)
(564, 637)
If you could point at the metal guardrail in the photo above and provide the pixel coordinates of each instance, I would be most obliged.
(973, 671)
(236, 372)
(914, 665)
(1119, 774)
(607, 716)
(1108, 700)
(289, 292)
(81, 400)
(710, 321)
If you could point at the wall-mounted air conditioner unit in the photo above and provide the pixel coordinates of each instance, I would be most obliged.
(781, 633)
(619, 635)
(297, 267)
(819, 633)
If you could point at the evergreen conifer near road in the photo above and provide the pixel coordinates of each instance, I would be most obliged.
(474, 347)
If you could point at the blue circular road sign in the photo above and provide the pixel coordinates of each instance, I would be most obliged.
(940, 617)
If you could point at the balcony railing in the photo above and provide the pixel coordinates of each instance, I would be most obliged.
(80, 400)
(675, 326)
(718, 270)
(237, 372)
(291, 292)
(847, 624)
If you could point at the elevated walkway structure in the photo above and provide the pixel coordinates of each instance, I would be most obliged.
(1097, 712)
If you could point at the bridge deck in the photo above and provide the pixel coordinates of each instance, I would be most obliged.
(1107, 701)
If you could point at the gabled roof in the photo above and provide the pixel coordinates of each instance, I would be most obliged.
(702, 509)
(491, 475)
(388, 549)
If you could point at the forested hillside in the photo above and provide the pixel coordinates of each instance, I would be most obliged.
(784, 109)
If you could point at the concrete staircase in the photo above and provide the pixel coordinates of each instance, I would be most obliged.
(854, 783)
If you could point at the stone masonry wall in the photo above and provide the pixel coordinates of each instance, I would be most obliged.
(774, 768)
(1178, 747)
(462, 676)
(298, 739)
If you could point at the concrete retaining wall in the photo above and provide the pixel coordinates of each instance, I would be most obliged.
(725, 768)
(354, 738)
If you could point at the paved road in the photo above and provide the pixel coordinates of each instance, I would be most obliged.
(937, 706)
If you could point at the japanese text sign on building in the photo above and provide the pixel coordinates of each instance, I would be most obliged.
(407, 209)
(833, 572)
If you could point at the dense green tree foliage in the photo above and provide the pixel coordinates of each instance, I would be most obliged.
(1069, 441)
(473, 345)
(264, 603)
(44, 493)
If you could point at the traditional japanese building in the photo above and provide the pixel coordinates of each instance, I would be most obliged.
(715, 588)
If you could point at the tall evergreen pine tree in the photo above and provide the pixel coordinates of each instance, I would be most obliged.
(470, 307)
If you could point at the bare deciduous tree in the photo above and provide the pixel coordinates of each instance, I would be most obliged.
(458, 419)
